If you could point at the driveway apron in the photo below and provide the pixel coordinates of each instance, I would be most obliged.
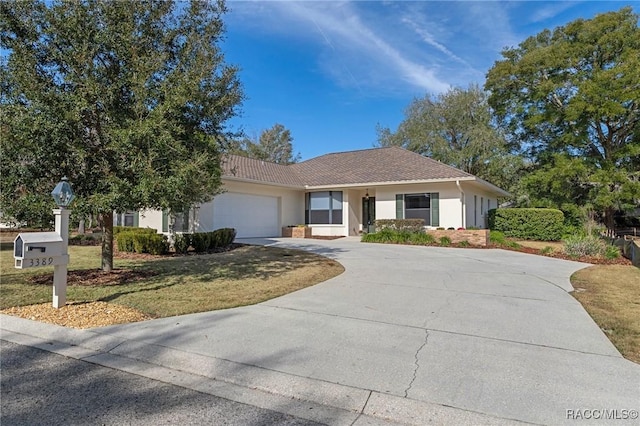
(489, 331)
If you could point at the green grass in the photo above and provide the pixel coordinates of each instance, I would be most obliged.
(181, 285)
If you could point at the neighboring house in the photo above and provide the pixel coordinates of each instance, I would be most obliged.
(337, 194)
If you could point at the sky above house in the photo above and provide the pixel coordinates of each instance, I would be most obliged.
(330, 71)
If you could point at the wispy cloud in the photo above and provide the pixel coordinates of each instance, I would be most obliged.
(551, 11)
(358, 51)
(344, 24)
(430, 39)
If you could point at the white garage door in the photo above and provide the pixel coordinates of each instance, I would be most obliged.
(250, 215)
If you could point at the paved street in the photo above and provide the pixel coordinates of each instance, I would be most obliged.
(42, 388)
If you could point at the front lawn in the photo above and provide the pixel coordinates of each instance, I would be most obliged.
(167, 286)
(611, 295)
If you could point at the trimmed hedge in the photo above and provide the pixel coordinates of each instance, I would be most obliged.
(528, 224)
(142, 242)
(410, 225)
(119, 229)
(204, 241)
(388, 235)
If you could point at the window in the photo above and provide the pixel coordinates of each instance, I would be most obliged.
(324, 208)
(481, 205)
(418, 206)
(475, 210)
(126, 219)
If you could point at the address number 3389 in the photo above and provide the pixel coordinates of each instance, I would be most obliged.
(41, 261)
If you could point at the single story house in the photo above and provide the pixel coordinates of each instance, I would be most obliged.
(338, 194)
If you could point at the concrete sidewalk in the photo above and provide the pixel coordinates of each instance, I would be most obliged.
(413, 335)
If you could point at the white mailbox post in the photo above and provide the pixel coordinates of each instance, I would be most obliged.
(36, 249)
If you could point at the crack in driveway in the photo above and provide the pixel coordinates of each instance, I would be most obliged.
(417, 363)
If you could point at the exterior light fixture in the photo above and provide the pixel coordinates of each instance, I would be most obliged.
(366, 195)
(63, 194)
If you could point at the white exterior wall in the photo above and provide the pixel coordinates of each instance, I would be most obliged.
(151, 219)
(449, 201)
(290, 207)
(476, 205)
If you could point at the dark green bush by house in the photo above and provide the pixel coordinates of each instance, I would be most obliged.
(200, 241)
(528, 224)
(119, 229)
(142, 242)
(181, 243)
(204, 241)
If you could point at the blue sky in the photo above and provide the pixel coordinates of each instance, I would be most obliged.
(330, 71)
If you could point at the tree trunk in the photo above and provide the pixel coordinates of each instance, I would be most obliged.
(81, 229)
(107, 241)
(608, 218)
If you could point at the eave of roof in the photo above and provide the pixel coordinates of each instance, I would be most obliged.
(370, 167)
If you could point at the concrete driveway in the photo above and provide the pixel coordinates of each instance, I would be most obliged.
(414, 335)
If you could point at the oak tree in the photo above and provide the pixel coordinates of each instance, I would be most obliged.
(572, 96)
(128, 99)
(274, 145)
(456, 128)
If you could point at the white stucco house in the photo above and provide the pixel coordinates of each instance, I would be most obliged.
(338, 194)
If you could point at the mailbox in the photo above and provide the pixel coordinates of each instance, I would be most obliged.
(35, 249)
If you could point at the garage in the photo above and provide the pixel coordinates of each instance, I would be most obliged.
(251, 215)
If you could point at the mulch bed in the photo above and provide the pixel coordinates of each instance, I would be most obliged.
(586, 259)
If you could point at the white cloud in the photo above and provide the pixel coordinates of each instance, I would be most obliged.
(550, 11)
(357, 52)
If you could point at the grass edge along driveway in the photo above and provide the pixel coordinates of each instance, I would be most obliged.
(169, 286)
(611, 296)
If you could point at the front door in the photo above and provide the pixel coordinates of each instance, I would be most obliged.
(369, 214)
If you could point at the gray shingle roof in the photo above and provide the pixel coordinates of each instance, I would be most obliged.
(235, 166)
(379, 165)
(392, 164)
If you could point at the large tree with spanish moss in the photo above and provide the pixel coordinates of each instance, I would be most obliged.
(129, 99)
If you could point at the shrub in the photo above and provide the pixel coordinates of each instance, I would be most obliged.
(410, 225)
(157, 244)
(498, 238)
(118, 229)
(546, 250)
(142, 242)
(445, 241)
(612, 252)
(125, 241)
(222, 237)
(529, 224)
(200, 242)
(421, 239)
(579, 246)
(181, 243)
(83, 240)
(464, 243)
